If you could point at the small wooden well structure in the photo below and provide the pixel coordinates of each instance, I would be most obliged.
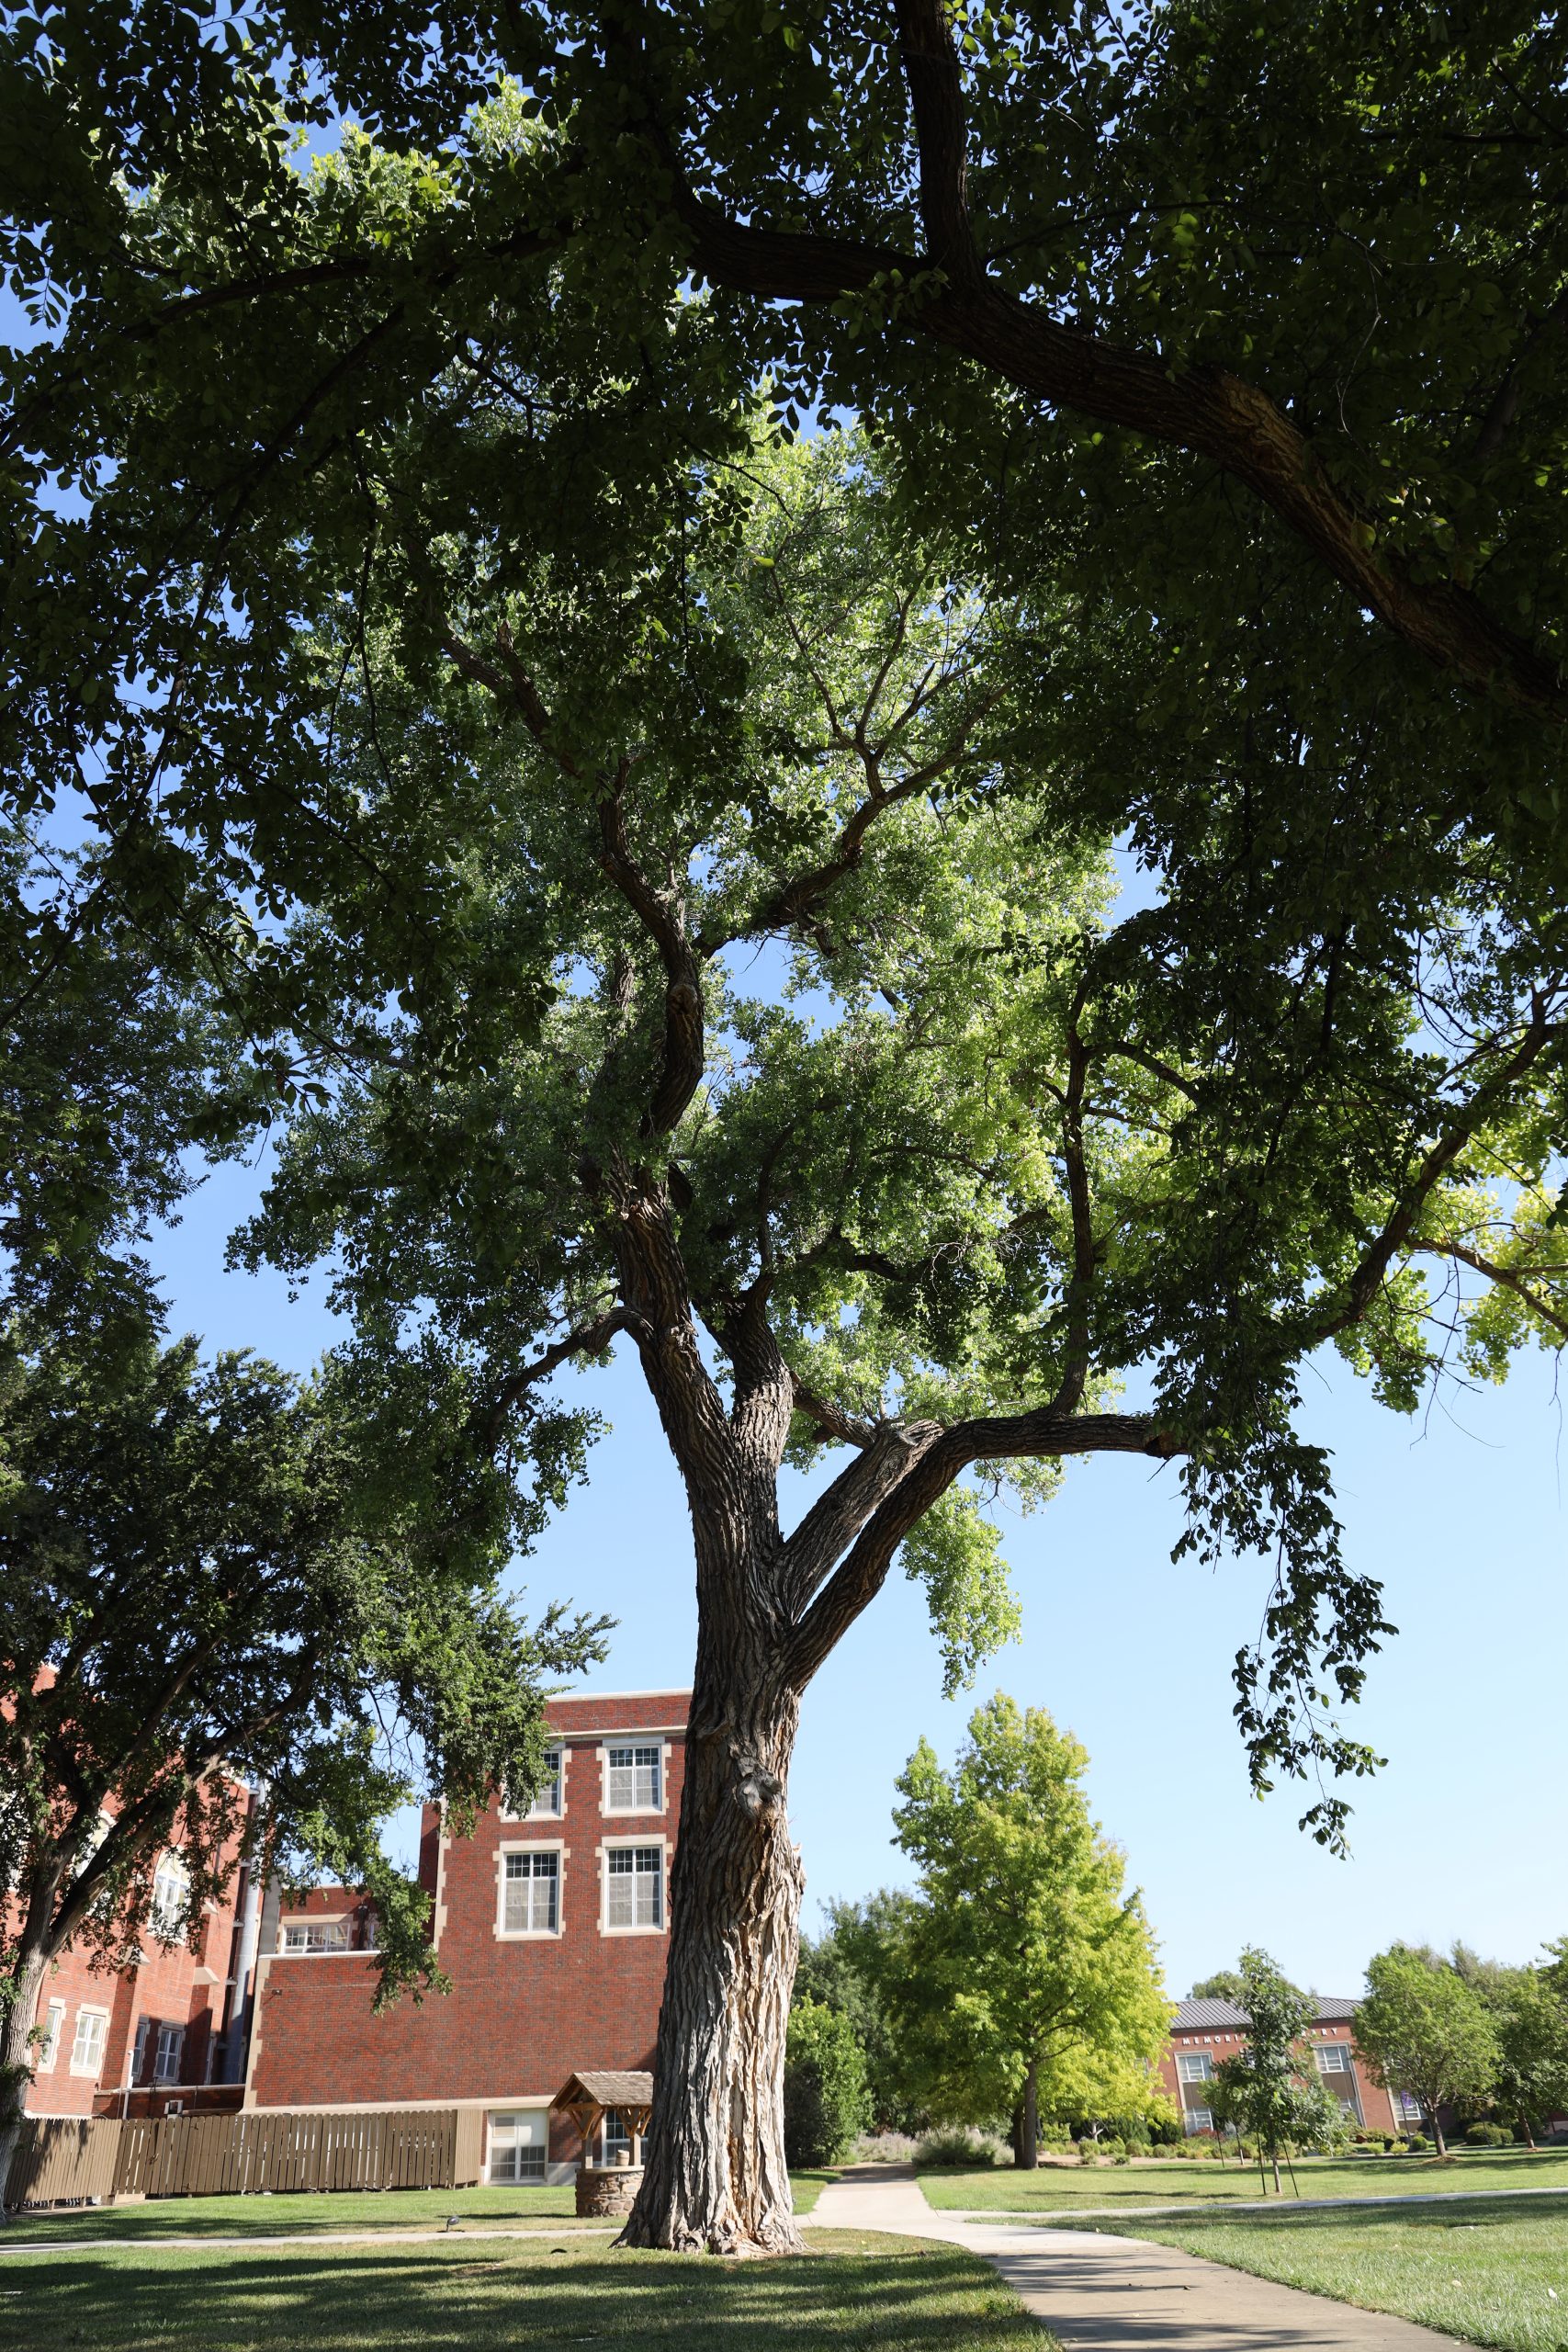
(608, 2189)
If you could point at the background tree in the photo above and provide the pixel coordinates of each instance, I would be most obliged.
(209, 1583)
(1266, 2085)
(1029, 1968)
(826, 2103)
(1423, 2030)
(846, 1968)
(1528, 2010)
(1224, 1984)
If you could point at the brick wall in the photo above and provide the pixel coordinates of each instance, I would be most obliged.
(186, 1987)
(522, 2015)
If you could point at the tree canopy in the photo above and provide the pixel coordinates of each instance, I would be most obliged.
(1243, 276)
(1427, 2031)
(1025, 1980)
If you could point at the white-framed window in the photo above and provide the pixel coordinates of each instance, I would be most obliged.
(53, 2018)
(138, 2052)
(634, 1889)
(519, 2146)
(1407, 2108)
(1194, 2066)
(633, 1779)
(1334, 2058)
(1198, 2118)
(530, 1890)
(171, 1892)
(87, 2049)
(171, 2046)
(315, 1935)
(615, 2141)
(547, 1804)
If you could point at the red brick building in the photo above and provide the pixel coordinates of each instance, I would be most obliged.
(552, 1925)
(1202, 2032)
(165, 2031)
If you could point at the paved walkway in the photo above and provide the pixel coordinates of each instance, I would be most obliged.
(1121, 2294)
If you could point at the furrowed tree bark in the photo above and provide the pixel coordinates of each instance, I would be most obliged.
(16, 2060)
(716, 2177)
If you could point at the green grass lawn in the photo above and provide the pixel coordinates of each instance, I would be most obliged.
(1057, 2189)
(394, 2209)
(1487, 2272)
(853, 2292)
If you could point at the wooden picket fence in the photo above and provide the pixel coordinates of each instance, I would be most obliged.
(62, 2160)
(66, 2162)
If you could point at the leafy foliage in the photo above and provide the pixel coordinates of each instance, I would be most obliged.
(213, 1579)
(826, 2101)
(1268, 2090)
(1425, 2030)
(845, 1969)
(1025, 1966)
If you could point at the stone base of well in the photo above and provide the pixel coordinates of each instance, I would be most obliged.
(608, 2192)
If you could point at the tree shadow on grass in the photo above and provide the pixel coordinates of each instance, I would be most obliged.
(458, 2301)
(1478, 2212)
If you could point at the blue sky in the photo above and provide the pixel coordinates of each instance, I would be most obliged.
(1462, 1514)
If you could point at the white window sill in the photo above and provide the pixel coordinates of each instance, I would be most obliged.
(606, 1930)
(527, 1935)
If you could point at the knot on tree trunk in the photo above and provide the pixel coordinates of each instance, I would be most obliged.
(758, 1791)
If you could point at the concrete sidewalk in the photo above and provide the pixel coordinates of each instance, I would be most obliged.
(1121, 2294)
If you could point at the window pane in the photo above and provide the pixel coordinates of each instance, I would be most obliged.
(1193, 2067)
(1334, 2058)
(635, 1778)
(531, 1883)
(547, 1801)
(87, 2050)
(518, 2145)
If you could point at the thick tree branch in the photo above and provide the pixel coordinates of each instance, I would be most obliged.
(1036, 1435)
(589, 1339)
(1209, 410)
(1399, 1228)
(685, 1055)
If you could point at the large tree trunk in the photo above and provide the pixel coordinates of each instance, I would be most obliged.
(715, 2176)
(15, 2061)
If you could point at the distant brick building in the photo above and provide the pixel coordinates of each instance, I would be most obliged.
(166, 2031)
(552, 1925)
(1202, 2032)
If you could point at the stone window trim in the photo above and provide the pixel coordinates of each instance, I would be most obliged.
(629, 1845)
(560, 1749)
(89, 2067)
(621, 1740)
(562, 1852)
(53, 2024)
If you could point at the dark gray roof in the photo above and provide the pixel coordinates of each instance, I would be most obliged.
(1201, 2017)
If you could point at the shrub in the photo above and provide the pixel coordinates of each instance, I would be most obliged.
(1489, 2135)
(1415, 2141)
(826, 2104)
(955, 2145)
